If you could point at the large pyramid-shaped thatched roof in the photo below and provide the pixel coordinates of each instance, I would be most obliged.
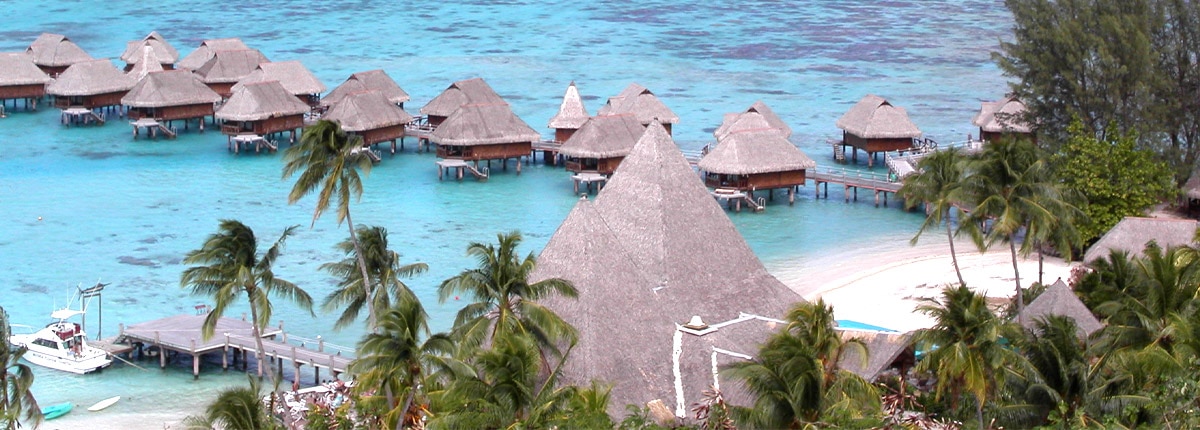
(17, 68)
(260, 101)
(650, 252)
(874, 117)
(230, 66)
(470, 91)
(169, 88)
(1133, 233)
(367, 111)
(206, 49)
(1004, 116)
(371, 80)
(638, 100)
(571, 113)
(161, 51)
(89, 78)
(483, 124)
(1058, 299)
(291, 74)
(56, 50)
(604, 137)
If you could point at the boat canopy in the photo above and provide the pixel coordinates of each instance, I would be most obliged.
(63, 314)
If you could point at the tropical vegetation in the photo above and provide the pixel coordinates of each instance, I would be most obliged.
(17, 402)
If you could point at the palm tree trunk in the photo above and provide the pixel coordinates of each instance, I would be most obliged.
(979, 412)
(412, 390)
(362, 265)
(953, 256)
(1012, 247)
(259, 344)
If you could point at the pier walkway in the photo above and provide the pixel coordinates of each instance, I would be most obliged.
(852, 181)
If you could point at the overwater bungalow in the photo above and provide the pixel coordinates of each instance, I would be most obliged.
(53, 53)
(161, 52)
(1133, 233)
(260, 109)
(370, 115)
(758, 116)
(470, 91)
(226, 68)
(292, 75)
(601, 143)
(170, 95)
(571, 115)
(1059, 299)
(90, 85)
(643, 104)
(483, 132)
(874, 125)
(750, 160)
(20, 79)
(205, 51)
(1005, 117)
(371, 80)
(667, 286)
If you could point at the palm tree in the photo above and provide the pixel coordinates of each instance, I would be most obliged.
(383, 266)
(236, 408)
(1159, 306)
(227, 266)
(968, 354)
(328, 159)
(392, 359)
(937, 184)
(795, 380)
(16, 379)
(504, 300)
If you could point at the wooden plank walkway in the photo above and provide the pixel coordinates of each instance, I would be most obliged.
(852, 181)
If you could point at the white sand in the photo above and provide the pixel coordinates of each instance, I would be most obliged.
(883, 286)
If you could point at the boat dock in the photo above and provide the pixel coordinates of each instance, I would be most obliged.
(852, 181)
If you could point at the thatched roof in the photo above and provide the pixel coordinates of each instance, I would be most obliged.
(1058, 299)
(755, 151)
(292, 74)
(146, 66)
(371, 80)
(733, 341)
(55, 50)
(1192, 187)
(1133, 233)
(206, 49)
(230, 66)
(758, 116)
(470, 91)
(17, 68)
(169, 88)
(571, 113)
(638, 100)
(367, 111)
(650, 252)
(89, 78)
(604, 137)
(162, 51)
(882, 350)
(1004, 116)
(483, 124)
(873, 117)
(259, 101)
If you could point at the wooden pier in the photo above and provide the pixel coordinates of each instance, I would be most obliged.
(852, 181)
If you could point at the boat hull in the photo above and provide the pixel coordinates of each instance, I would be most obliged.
(55, 411)
(91, 360)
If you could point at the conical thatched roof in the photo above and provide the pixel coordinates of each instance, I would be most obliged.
(1004, 116)
(638, 100)
(604, 137)
(470, 91)
(89, 78)
(755, 151)
(1133, 233)
(291, 74)
(650, 252)
(758, 116)
(146, 66)
(169, 88)
(371, 80)
(56, 50)
(230, 66)
(162, 51)
(483, 124)
(1058, 299)
(367, 111)
(17, 68)
(873, 117)
(882, 350)
(571, 113)
(259, 101)
(206, 49)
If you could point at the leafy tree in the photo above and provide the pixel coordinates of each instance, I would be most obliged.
(1175, 35)
(16, 380)
(236, 408)
(228, 265)
(936, 184)
(384, 268)
(329, 160)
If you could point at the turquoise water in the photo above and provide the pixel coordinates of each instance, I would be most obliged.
(88, 203)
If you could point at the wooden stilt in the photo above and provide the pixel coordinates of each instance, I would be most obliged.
(225, 353)
(162, 354)
(195, 361)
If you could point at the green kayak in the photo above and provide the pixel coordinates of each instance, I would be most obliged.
(55, 411)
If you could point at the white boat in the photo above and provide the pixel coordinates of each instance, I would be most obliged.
(62, 345)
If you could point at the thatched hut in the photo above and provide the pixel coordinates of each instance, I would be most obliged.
(484, 132)
(571, 115)
(171, 95)
(20, 79)
(292, 75)
(601, 143)
(53, 53)
(146, 66)
(90, 84)
(754, 153)
(758, 116)
(884, 349)
(643, 104)
(470, 91)
(262, 108)
(205, 51)
(370, 115)
(371, 80)
(875, 125)
(1191, 190)
(226, 68)
(1133, 233)
(649, 253)
(1058, 299)
(161, 52)
(1005, 117)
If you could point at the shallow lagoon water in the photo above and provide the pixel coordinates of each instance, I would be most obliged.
(125, 211)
